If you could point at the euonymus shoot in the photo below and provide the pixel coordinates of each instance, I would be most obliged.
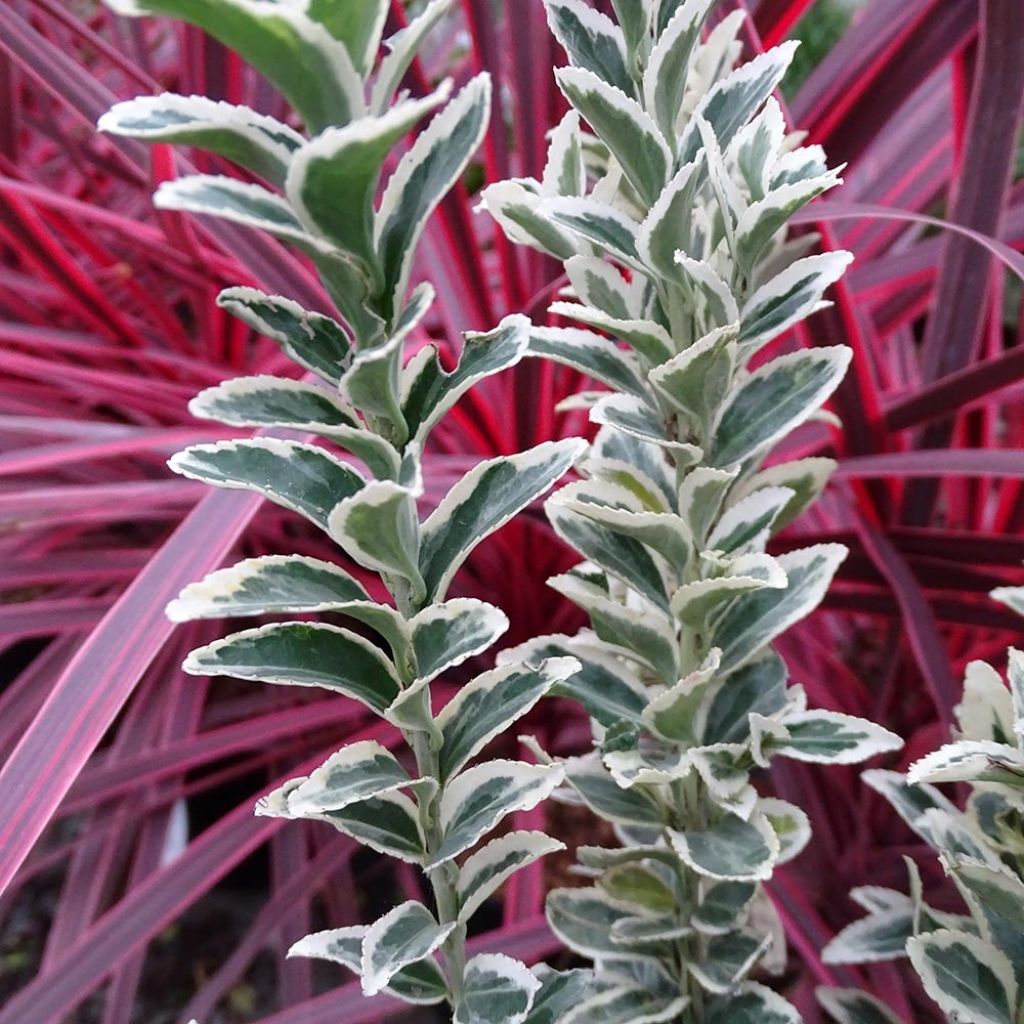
(971, 964)
(670, 216)
(374, 409)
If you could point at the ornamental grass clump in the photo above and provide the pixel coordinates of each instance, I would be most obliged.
(670, 217)
(365, 395)
(971, 964)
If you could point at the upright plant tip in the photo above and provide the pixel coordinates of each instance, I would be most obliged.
(366, 410)
(666, 196)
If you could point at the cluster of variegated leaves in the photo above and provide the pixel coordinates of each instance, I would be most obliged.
(427, 808)
(670, 218)
(971, 964)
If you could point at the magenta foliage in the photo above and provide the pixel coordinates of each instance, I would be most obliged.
(108, 326)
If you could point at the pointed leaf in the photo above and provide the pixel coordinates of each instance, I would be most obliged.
(401, 937)
(498, 990)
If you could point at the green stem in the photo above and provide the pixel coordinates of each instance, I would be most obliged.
(443, 879)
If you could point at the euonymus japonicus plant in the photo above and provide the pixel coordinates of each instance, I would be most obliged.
(971, 964)
(430, 801)
(670, 216)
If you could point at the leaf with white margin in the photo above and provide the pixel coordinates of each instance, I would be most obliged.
(388, 823)
(564, 171)
(403, 936)
(489, 704)
(483, 872)
(758, 687)
(446, 634)
(698, 379)
(722, 905)
(496, 990)
(733, 101)
(311, 68)
(617, 554)
(266, 401)
(985, 711)
(829, 737)
(476, 800)
(752, 1003)
(241, 202)
(421, 983)
(880, 936)
(966, 976)
(423, 176)
(1015, 674)
(788, 298)
(635, 417)
(270, 583)
(671, 715)
(255, 141)
(607, 689)
(590, 353)
(630, 1005)
(313, 340)
(731, 849)
(755, 619)
(378, 527)
(348, 161)
(354, 773)
(300, 477)
(302, 654)
(775, 399)
(402, 48)
(641, 628)
(486, 498)
(668, 226)
(804, 478)
(910, 802)
(517, 210)
(591, 40)
(852, 1006)
(559, 991)
(716, 305)
(600, 285)
(583, 920)
(665, 76)
(790, 824)
(623, 126)
(755, 148)
(613, 506)
(646, 337)
(729, 958)
(995, 896)
(724, 769)
(607, 799)
(762, 220)
(970, 761)
(599, 223)
(697, 603)
(427, 392)
(358, 26)
(747, 523)
(635, 770)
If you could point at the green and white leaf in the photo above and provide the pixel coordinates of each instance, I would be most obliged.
(591, 40)
(970, 979)
(497, 990)
(752, 1003)
(597, 222)
(485, 871)
(302, 654)
(852, 1006)
(647, 337)
(486, 498)
(446, 634)
(630, 1005)
(487, 706)
(970, 761)
(355, 772)
(402, 48)
(300, 477)
(591, 354)
(255, 141)
(882, 935)
(476, 800)
(731, 849)
(388, 823)
(791, 825)
(403, 936)
(829, 737)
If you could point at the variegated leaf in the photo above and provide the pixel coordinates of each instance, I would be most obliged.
(477, 799)
(486, 498)
(403, 936)
(752, 1003)
(591, 40)
(356, 772)
(255, 141)
(731, 849)
(312, 69)
(852, 1006)
(597, 222)
(358, 26)
(401, 51)
(828, 737)
(302, 654)
(589, 353)
(497, 990)
(300, 477)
